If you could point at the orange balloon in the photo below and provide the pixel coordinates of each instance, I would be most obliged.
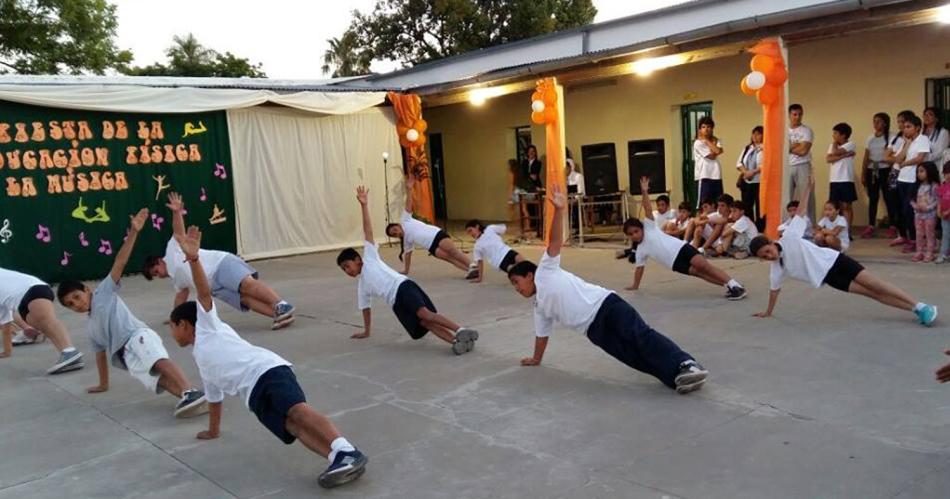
(420, 125)
(537, 118)
(421, 141)
(536, 96)
(777, 76)
(401, 130)
(550, 114)
(767, 95)
(762, 63)
(745, 88)
(550, 97)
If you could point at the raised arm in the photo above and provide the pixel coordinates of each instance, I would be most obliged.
(645, 197)
(362, 195)
(559, 202)
(178, 217)
(410, 182)
(122, 257)
(190, 244)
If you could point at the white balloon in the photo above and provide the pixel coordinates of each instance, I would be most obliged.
(537, 106)
(755, 80)
(412, 135)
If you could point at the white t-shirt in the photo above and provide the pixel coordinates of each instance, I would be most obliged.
(376, 279)
(876, 147)
(490, 247)
(746, 226)
(801, 133)
(576, 178)
(800, 259)
(843, 169)
(705, 168)
(714, 219)
(921, 144)
(663, 218)
(750, 159)
(180, 272)
(839, 221)
(809, 232)
(13, 285)
(563, 297)
(416, 233)
(939, 142)
(228, 365)
(657, 244)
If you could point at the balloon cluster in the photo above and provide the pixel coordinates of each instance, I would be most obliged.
(414, 135)
(544, 103)
(768, 74)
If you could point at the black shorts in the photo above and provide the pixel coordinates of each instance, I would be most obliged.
(409, 299)
(682, 262)
(275, 392)
(843, 192)
(435, 241)
(843, 272)
(709, 189)
(508, 260)
(38, 292)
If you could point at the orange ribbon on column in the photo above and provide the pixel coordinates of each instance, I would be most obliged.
(547, 106)
(411, 129)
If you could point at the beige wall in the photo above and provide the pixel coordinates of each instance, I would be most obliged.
(839, 79)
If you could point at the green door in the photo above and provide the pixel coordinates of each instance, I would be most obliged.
(690, 115)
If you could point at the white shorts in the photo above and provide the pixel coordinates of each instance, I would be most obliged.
(141, 352)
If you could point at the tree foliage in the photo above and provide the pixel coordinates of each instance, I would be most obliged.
(188, 57)
(416, 31)
(59, 36)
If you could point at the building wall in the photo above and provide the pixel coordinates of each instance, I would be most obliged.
(838, 79)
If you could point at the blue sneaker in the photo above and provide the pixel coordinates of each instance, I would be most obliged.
(347, 466)
(927, 314)
(283, 315)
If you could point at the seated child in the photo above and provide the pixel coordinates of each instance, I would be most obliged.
(791, 209)
(832, 230)
(119, 337)
(410, 303)
(663, 213)
(705, 240)
(738, 233)
(680, 227)
(489, 246)
(264, 380)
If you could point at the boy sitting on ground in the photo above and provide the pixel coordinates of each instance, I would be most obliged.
(738, 233)
(681, 226)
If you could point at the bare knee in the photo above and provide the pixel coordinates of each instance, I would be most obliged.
(425, 314)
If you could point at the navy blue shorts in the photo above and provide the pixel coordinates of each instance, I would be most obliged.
(436, 240)
(38, 292)
(682, 262)
(275, 392)
(709, 189)
(843, 192)
(409, 299)
(508, 260)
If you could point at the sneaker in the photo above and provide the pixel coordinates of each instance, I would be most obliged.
(192, 403)
(740, 255)
(701, 251)
(919, 257)
(868, 232)
(940, 259)
(891, 232)
(283, 315)
(909, 248)
(897, 241)
(347, 466)
(736, 293)
(928, 258)
(927, 314)
(28, 337)
(690, 378)
(472, 273)
(464, 341)
(67, 362)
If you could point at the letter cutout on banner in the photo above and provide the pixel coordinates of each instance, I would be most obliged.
(769, 61)
(547, 109)
(411, 129)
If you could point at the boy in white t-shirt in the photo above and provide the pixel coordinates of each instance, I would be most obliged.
(119, 336)
(841, 157)
(489, 246)
(233, 281)
(229, 365)
(409, 302)
(709, 229)
(793, 256)
(706, 151)
(738, 233)
(663, 215)
(607, 320)
(681, 225)
(675, 254)
(832, 230)
(791, 210)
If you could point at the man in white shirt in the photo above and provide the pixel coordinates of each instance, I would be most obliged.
(489, 246)
(800, 139)
(675, 254)
(793, 256)
(409, 302)
(607, 320)
(706, 168)
(229, 365)
(233, 281)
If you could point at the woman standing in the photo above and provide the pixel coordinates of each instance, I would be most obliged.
(913, 151)
(532, 167)
(938, 136)
(750, 171)
(874, 174)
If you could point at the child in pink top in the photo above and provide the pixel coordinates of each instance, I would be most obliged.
(925, 211)
(943, 195)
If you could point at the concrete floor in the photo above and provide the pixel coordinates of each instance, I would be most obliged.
(834, 397)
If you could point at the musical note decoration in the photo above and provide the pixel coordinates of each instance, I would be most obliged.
(157, 221)
(219, 171)
(43, 234)
(6, 234)
(204, 195)
(217, 216)
(65, 261)
(82, 239)
(105, 247)
(191, 129)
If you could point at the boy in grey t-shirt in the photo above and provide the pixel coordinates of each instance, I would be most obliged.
(129, 343)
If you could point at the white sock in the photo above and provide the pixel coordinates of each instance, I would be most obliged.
(733, 284)
(69, 349)
(340, 444)
(919, 306)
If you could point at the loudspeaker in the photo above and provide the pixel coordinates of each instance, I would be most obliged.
(647, 159)
(600, 168)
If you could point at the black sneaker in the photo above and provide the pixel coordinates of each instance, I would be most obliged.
(736, 293)
(67, 362)
(472, 273)
(192, 403)
(691, 377)
(347, 466)
(464, 341)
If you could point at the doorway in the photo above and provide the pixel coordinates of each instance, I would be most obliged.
(690, 115)
(438, 176)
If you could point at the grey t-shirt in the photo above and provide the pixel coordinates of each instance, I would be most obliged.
(111, 324)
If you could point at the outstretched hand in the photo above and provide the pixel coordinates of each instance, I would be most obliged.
(190, 242)
(645, 184)
(557, 197)
(174, 202)
(362, 195)
(138, 220)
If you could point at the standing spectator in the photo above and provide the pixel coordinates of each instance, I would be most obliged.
(532, 167)
(750, 170)
(943, 194)
(901, 237)
(841, 156)
(925, 211)
(706, 151)
(574, 176)
(517, 187)
(800, 139)
(938, 135)
(874, 173)
(914, 149)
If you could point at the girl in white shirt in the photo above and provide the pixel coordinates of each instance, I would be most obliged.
(832, 230)
(750, 172)
(913, 151)
(938, 135)
(874, 174)
(490, 246)
(413, 233)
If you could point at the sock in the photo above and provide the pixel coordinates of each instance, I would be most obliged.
(732, 284)
(339, 444)
(69, 350)
(920, 306)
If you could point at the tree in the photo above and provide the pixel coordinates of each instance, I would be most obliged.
(188, 57)
(57, 36)
(416, 31)
(345, 56)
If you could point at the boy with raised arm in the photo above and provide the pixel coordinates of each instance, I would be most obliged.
(793, 256)
(675, 254)
(118, 336)
(229, 365)
(606, 319)
(232, 280)
(409, 302)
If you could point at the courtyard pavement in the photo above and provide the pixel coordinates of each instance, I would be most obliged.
(832, 398)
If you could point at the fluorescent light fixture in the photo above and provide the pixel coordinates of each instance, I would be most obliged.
(478, 96)
(943, 14)
(645, 67)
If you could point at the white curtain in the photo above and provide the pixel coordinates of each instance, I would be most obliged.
(295, 176)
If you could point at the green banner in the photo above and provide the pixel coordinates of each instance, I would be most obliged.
(69, 180)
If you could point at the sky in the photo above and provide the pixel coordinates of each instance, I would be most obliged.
(288, 37)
